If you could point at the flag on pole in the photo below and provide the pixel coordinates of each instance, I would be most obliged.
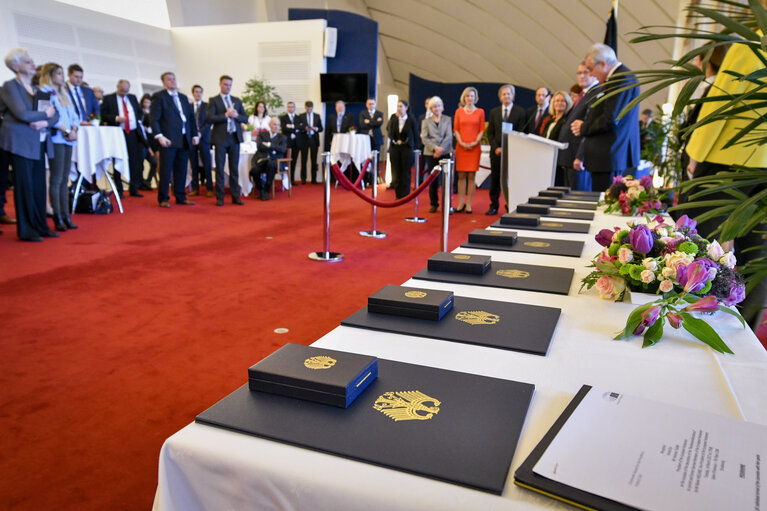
(611, 29)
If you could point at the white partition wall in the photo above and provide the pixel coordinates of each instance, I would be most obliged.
(289, 54)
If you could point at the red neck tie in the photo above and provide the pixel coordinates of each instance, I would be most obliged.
(127, 117)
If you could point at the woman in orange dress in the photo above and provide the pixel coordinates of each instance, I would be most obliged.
(468, 126)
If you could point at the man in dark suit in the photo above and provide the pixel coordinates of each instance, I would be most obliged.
(121, 109)
(289, 124)
(568, 158)
(175, 129)
(82, 97)
(370, 122)
(507, 112)
(227, 115)
(271, 145)
(339, 122)
(201, 175)
(537, 114)
(309, 128)
(610, 145)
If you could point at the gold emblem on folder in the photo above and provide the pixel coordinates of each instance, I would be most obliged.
(461, 256)
(496, 232)
(415, 294)
(563, 213)
(513, 274)
(320, 362)
(536, 244)
(550, 224)
(407, 405)
(478, 317)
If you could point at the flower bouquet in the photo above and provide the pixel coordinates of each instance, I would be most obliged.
(691, 273)
(632, 197)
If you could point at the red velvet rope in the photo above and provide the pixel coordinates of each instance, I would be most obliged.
(348, 184)
(364, 170)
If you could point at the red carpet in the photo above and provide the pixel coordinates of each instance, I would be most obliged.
(115, 335)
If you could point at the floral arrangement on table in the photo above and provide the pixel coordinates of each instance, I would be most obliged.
(632, 197)
(353, 130)
(691, 273)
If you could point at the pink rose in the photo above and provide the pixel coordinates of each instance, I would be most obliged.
(728, 260)
(666, 286)
(715, 251)
(625, 255)
(610, 287)
(647, 276)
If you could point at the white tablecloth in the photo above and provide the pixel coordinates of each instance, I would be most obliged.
(203, 467)
(96, 147)
(347, 147)
(247, 150)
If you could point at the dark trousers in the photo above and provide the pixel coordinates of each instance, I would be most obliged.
(560, 176)
(293, 158)
(401, 157)
(135, 161)
(29, 195)
(431, 162)
(4, 163)
(572, 178)
(267, 168)
(230, 148)
(58, 189)
(152, 166)
(201, 176)
(173, 161)
(601, 181)
(305, 150)
(495, 180)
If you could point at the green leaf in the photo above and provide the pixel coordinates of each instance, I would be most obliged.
(703, 332)
(733, 312)
(654, 333)
(633, 321)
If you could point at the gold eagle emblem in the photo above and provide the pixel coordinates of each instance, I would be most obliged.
(407, 405)
(320, 362)
(462, 257)
(478, 317)
(537, 244)
(415, 294)
(513, 274)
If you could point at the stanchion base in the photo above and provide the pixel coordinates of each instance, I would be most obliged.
(416, 219)
(373, 234)
(327, 257)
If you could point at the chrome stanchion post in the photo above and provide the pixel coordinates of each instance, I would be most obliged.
(447, 188)
(415, 218)
(373, 233)
(326, 255)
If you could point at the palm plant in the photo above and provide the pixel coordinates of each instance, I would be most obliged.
(740, 193)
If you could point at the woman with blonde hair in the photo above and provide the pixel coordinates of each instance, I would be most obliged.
(437, 138)
(468, 128)
(560, 105)
(64, 138)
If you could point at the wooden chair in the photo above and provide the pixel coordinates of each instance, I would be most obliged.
(281, 162)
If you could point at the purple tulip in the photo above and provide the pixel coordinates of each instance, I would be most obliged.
(707, 304)
(694, 276)
(641, 239)
(605, 237)
(737, 293)
(646, 182)
(685, 224)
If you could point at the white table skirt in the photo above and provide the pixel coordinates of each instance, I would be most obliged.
(203, 467)
(247, 150)
(347, 147)
(96, 147)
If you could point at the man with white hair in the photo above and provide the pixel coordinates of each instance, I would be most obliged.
(271, 145)
(610, 144)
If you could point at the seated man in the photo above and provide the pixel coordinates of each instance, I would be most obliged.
(271, 145)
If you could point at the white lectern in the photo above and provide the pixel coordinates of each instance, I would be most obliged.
(529, 163)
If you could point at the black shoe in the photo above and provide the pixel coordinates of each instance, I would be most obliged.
(145, 187)
(33, 237)
(68, 222)
(238, 201)
(136, 194)
(491, 211)
(459, 210)
(263, 195)
(49, 234)
(219, 202)
(185, 202)
(58, 223)
(433, 209)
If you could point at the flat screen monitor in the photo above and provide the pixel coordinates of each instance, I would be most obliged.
(348, 87)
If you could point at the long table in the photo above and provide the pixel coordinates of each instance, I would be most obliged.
(203, 467)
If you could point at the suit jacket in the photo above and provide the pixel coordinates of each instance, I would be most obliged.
(347, 121)
(517, 117)
(285, 130)
(406, 135)
(532, 126)
(574, 150)
(17, 110)
(89, 98)
(303, 138)
(217, 118)
(203, 125)
(433, 135)
(166, 119)
(611, 144)
(110, 110)
(277, 148)
(372, 127)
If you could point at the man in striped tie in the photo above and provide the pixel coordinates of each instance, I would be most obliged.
(227, 115)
